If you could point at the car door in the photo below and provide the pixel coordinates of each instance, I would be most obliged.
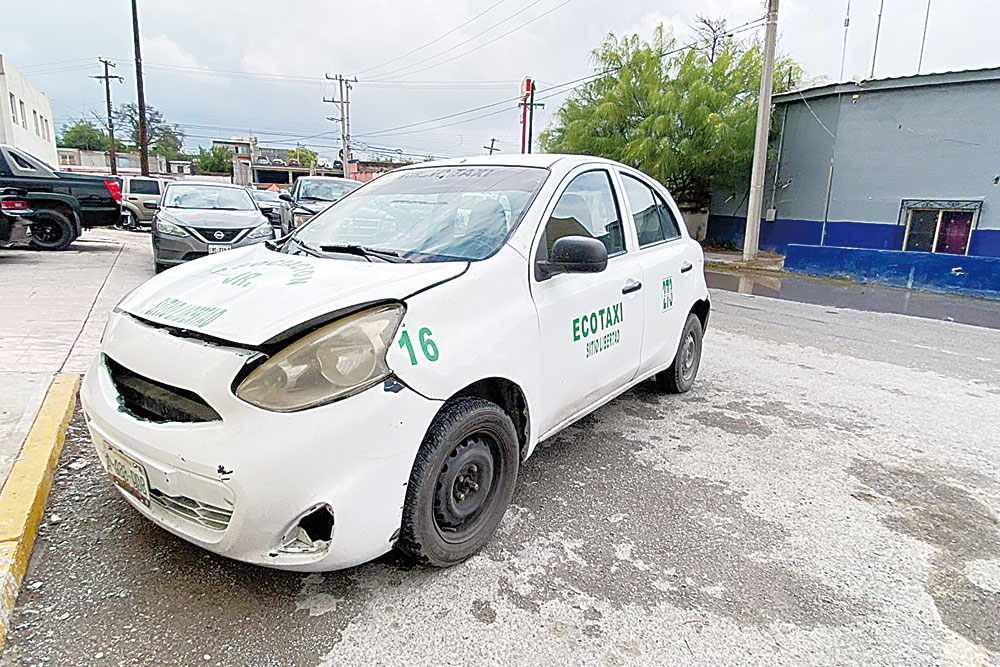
(590, 324)
(662, 257)
(145, 194)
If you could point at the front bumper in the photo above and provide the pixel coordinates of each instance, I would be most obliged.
(265, 468)
(173, 250)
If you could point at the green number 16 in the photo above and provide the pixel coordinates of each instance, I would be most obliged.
(427, 346)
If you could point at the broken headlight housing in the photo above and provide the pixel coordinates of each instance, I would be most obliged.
(335, 361)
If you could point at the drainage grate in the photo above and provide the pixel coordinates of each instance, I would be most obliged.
(209, 516)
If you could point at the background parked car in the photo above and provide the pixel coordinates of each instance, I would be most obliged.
(14, 213)
(313, 194)
(277, 210)
(140, 199)
(63, 203)
(198, 219)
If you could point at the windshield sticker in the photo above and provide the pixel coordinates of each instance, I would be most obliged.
(240, 275)
(668, 294)
(595, 327)
(182, 312)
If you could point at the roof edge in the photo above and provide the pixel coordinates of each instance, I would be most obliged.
(891, 83)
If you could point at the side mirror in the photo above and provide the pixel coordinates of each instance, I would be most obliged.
(575, 254)
(284, 196)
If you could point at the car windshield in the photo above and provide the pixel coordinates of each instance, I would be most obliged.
(208, 196)
(266, 195)
(326, 190)
(429, 214)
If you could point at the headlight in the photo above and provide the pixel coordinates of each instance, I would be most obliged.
(169, 228)
(300, 219)
(263, 231)
(340, 359)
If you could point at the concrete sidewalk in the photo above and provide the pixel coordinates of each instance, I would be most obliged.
(53, 309)
(733, 259)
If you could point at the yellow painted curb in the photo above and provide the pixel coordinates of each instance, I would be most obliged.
(22, 500)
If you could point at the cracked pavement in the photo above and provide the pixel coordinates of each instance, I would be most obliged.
(827, 494)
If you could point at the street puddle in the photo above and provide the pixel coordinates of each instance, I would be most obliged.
(857, 296)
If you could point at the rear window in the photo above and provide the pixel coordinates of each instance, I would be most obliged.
(144, 187)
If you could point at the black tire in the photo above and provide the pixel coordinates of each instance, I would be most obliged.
(680, 377)
(51, 230)
(461, 484)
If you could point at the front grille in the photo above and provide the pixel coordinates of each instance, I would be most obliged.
(209, 516)
(154, 401)
(213, 235)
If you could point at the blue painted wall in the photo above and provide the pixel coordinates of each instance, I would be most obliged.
(973, 276)
(727, 230)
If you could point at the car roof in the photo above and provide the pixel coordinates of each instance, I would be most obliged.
(325, 178)
(216, 184)
(546, 160)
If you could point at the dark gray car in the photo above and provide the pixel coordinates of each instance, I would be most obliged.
(198, 219)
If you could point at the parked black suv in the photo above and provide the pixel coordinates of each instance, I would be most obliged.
(63, 203)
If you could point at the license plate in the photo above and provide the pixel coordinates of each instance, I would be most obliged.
(215, 247)
(129, 475)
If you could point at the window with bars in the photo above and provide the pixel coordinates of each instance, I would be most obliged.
(940, 226)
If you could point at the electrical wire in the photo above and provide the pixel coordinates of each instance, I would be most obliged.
(437, 39)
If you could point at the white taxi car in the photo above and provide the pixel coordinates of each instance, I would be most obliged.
(377, 378)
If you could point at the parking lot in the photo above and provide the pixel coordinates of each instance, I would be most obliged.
(827, 494)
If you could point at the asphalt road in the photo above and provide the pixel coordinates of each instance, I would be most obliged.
(828, 494)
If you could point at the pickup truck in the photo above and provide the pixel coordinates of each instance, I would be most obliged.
(63, 203)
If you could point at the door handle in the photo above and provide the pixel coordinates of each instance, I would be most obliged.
(631, 286)
(687, 267)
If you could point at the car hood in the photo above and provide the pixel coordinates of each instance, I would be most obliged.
(211, 219)
(250, 295)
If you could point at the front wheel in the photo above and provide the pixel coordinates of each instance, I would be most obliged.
(51, 230)
(679, 378)
(461, 483)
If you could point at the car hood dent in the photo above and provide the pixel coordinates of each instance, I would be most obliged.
(250, 295)
(212, 219)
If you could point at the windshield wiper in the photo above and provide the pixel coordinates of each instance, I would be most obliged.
(367, 253)
(305, 246)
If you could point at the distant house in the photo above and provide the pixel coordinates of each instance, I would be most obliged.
(99, 162)
(908, 164)
(25, 115)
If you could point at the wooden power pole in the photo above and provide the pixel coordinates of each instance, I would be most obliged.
(143, 146)
(111, 123)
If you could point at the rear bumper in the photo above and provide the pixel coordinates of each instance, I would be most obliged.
(263, 469)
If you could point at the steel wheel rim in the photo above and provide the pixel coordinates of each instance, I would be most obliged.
(463, 493)
(689, 355)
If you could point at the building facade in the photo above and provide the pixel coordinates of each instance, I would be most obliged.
(905, 164)
(25, 115)
(99, 162)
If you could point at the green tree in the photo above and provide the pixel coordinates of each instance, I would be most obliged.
(215, 160)
(162, 138)
(83, 135)
(686, 118)
(306, 157)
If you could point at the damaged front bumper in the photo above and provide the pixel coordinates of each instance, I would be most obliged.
(319, 489)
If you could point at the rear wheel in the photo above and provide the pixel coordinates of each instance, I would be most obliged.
(679, 378)
(461, 483)
(51, 230)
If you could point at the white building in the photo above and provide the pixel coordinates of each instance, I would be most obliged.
(25, 115)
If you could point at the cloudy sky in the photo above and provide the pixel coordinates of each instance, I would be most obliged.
(220, 69)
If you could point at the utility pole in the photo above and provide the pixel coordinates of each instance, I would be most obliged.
(531, 113)
(111, 125)
(751, 239)
(843, 52)
(345, 118)
(143, 147)
(923, 39)
(527, 105)
(878, 29)
(492, 147)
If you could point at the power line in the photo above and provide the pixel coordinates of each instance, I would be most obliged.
(474, 37)
(436, 39)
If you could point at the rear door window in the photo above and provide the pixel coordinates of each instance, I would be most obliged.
(142, 186)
